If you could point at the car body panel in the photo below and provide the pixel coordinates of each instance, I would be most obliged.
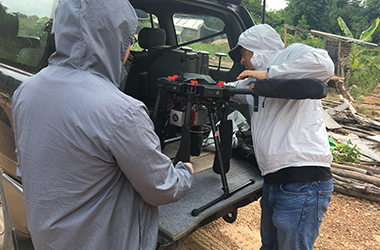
(10, 79)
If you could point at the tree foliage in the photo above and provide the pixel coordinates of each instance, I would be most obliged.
(321, 15)
(314, 12)
(357, 51)
(255, 9)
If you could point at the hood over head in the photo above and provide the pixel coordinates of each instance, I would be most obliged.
(263, 41)
(93, 35)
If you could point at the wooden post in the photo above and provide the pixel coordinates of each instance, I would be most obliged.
(340, 71)
(285, 35)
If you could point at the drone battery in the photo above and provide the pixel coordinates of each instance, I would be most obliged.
(199, 116)
(177, 117)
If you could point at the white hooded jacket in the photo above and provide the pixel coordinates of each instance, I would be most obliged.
(286, 132)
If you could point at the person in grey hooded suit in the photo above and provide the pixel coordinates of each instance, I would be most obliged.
(92, 169)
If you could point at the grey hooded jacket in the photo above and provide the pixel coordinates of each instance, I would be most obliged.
(92, 169)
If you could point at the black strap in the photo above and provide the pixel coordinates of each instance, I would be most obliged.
(304, 88)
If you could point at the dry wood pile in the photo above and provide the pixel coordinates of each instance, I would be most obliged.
(344, 123)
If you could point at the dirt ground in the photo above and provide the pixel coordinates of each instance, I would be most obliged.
(349, 224)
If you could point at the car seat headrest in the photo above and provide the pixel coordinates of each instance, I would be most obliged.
(150, 37)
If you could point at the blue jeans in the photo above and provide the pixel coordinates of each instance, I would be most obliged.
(291, 214)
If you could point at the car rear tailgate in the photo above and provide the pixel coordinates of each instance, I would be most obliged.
(177, 222)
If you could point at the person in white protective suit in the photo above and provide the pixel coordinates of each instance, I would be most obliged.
(289, 135)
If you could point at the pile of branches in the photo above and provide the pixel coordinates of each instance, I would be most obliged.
(356, 180)
(361, 180)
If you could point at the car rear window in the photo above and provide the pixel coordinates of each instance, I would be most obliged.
(193, 27)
